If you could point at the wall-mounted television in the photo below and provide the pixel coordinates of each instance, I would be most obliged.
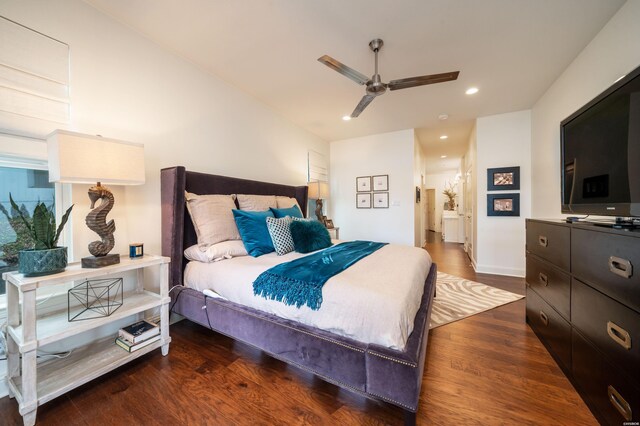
(600, 151)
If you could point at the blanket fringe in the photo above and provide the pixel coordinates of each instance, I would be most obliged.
(289, 291)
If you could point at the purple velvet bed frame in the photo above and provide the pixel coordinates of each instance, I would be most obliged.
(370, 370)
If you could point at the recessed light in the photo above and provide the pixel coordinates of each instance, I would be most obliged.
(443, 116)
(471, 91)
(346, 117)
(443, 137)
(443, 156)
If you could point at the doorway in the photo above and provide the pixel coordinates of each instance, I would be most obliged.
(431, 209)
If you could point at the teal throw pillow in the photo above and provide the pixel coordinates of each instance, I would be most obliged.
(253, 231)
(309, 236)
(291, 211)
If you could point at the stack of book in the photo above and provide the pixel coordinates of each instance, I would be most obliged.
(137, 335)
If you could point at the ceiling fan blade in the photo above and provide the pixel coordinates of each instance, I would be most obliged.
(343, 69)
(405, 83)
(364, 102)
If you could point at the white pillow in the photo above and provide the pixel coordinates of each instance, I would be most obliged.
(212, 217)
(256, 203)
(286, 202)
(215, 252)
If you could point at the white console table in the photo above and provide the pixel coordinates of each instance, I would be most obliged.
(450, 228)
(33, 383)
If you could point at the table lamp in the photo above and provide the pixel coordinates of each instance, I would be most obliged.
(318, 190)
(78, 158)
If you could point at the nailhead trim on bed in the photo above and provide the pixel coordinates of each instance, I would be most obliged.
(399, 361)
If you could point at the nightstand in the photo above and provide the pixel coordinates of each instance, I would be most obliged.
(31, 383)
(334, 233)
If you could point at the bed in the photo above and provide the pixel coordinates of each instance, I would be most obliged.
(372, 370)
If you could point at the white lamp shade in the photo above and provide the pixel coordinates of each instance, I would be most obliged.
(318, 190)
(78, 158)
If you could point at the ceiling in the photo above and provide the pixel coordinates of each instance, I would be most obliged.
(512, 50)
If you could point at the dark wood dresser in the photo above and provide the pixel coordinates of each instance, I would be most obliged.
(583, 302)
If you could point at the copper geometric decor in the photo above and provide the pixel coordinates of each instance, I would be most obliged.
(98, 298)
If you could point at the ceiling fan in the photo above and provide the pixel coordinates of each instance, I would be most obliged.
(375, 87)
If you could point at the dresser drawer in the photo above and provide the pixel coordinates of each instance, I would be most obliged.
(608, 262)
(602, 385)
(611, 326)
(550, 283)
(550, 242)
(550, 327)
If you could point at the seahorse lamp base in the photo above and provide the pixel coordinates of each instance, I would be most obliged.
(100, 261)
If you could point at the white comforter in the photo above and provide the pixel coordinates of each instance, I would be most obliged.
(373, 301)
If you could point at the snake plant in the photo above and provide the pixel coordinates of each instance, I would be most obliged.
(42, 225)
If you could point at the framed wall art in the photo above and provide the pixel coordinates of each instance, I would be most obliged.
(503, 179)
(503, 204)
(363, 201)
(363, 184)
(381, 200)
(380, 182)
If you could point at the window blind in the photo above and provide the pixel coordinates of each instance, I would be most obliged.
(34, 80)
(318, 167)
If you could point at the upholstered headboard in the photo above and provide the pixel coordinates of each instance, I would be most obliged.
(177, 229)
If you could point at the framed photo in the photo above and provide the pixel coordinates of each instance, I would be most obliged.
(363, 184)
(380, 183)
(503, 204)
(381, 200)
(329, 223)
(503, 179)
(363, 201)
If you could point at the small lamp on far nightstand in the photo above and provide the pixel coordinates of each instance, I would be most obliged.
(319, 191)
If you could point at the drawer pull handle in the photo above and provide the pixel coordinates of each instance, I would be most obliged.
(619, 403)
(619, 335)
(620, 266)
(544, 318)
(543, 278)
(542, 240)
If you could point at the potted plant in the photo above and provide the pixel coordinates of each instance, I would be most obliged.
(450, 193)
(45, 257)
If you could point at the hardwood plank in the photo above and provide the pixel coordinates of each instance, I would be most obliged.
(483, 370)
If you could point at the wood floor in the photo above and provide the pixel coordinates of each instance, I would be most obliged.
(489, 369)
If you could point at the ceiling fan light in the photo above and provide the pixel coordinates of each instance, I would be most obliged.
(346, 117)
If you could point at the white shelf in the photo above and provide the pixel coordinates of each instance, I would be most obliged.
(34, 383)
(56, 326)
(75, 271)
(58, 376)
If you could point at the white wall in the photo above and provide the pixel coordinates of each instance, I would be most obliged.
(383, 154)
(612, 53)
(502, 141)
(470, 173)
(124, 86)
(419, 224)
(440, 182)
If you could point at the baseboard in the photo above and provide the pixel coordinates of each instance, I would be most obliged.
(498, 270)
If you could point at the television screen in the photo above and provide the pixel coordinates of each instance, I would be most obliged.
(601, 153)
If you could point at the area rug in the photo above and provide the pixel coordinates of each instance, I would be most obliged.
(458, 298)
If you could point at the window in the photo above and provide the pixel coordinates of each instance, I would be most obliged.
(27, 186)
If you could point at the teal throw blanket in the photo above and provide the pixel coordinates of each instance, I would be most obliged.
(300, 281)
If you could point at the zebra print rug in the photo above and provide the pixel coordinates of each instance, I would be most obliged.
(458, 298)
